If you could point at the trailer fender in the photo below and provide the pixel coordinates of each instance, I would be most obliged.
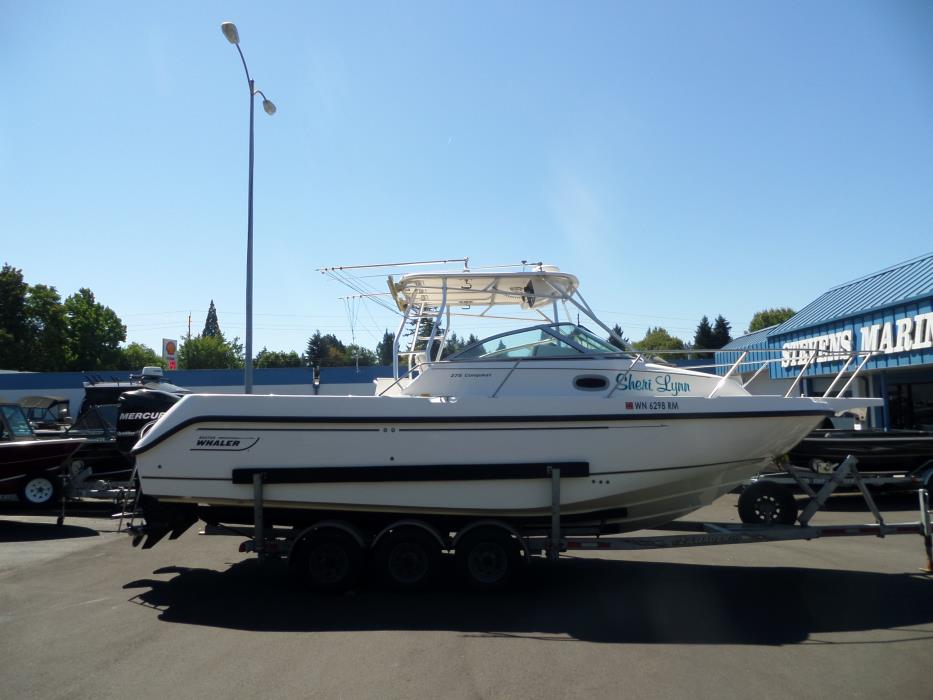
(349, 528)
(420, 524)
(492, 523)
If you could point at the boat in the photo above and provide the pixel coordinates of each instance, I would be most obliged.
(877, 451)
(29, 467)
(474, 435)
(110, 427)
(48, 415)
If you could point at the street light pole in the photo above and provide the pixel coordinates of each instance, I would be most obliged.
(230, 31)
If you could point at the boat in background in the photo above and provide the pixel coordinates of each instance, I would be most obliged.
(29, 467)
(48, 415)
(110, 423)
(877, 451)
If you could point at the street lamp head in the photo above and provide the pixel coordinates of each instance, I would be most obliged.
(229, 30)
(268, 106)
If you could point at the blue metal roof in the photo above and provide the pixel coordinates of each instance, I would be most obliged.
(909, 280)
(750, 340)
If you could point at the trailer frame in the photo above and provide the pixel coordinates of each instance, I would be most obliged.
(278, 542)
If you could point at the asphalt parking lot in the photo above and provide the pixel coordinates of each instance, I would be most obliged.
(83, 615)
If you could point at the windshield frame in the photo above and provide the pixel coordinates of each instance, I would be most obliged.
(551, 329)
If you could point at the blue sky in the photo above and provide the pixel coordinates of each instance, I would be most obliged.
(681, 158)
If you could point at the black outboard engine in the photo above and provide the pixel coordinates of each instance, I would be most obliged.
(138, 409)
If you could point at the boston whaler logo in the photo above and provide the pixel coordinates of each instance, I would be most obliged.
(214, 443)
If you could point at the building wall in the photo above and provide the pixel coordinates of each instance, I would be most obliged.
(334, 381)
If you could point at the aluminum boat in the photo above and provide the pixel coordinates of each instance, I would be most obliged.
(30, 467)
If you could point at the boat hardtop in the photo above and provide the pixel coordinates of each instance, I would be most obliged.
(528, 290)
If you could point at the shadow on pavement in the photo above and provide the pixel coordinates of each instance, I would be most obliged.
(585, 599)
(14, 531)
(73, 509)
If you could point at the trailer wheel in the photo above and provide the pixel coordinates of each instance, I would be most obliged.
(328, 560)
(408, 559)
(767, 503)
(39, 491)
(488, 558)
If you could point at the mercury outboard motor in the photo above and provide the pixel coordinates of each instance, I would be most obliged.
(138, 409)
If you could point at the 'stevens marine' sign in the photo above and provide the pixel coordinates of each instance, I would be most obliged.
(903, 335)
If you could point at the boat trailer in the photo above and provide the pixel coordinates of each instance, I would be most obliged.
(728, 533)
(278, 542)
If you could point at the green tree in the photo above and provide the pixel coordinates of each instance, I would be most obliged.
(46, 339)
(721, 332)
(211, 324)
(769, 317)
(454, 345)
(384, 348)
(659, 339)
(326, 351)
(13, 324)
(617, 329)
(703, 338)
(135, 356)
(276, 358)
(357, 354)
(209, 352)
(94, 332)
(314, 350)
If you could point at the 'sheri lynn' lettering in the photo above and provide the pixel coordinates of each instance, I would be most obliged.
(661, 384)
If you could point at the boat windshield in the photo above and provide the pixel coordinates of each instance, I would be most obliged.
(554, 340)
(16, 419)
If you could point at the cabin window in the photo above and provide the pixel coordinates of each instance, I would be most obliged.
(591, 382)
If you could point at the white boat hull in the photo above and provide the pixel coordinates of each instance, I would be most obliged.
(639, 468)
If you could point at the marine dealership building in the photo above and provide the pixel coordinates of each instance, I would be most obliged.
(880, 324)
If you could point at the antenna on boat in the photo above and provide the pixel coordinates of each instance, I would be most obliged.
(326, 270)
(351, 304)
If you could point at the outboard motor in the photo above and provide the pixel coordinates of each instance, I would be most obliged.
(138, 409)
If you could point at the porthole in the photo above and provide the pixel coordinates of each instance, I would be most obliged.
(591, 382)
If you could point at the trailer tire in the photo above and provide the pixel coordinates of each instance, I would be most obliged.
(407, 559)
(488, 558)
(39, 491)
(328, 560)
(767, 503)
